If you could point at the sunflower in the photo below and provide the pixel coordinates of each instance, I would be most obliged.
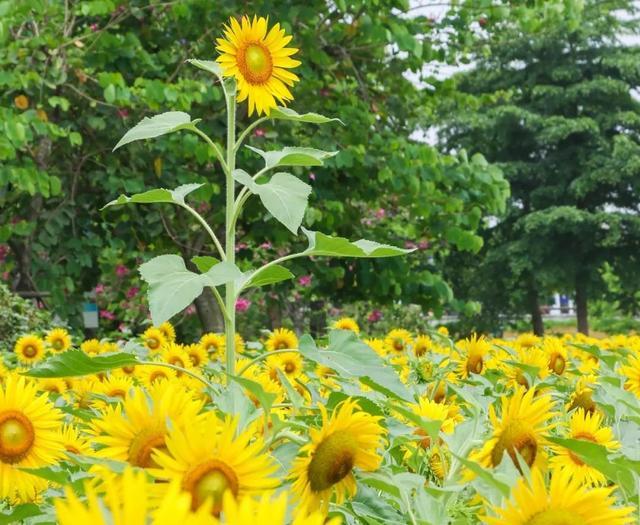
(197, 354)
(398, 341)
(282, 339)
(127, 501)
(209, 459)
(74, 443)
(422, 345)
(632, 372)
(115, 385)
(586, 427)
(131, 431)
(289, 363)
(29, 438)
(470, 360)
(557, 355)
(214, 345)
(92, 347)
(529, 357)
(377, 345)
(346, 323)
(527, 340)
(58, 340)
(268, 510)
(149, 375)
(168, 331)
(566, 502)
(582, 396)
(154, 339)
(29, 349)
(349, 438)
(53, 385)
(259, 61)
(522, 427)
(175, 354)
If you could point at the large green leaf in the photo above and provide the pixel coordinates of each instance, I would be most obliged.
(350, 357)
(207, 65)
(77, 363)
(158, 195)
(20, 513)
(150, 127)
(294, 157)
(321, 244)
(289, 114)
(272, 274)
(172, 287)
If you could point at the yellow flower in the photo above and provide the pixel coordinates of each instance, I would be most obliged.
(197, 354)
(29, 438)
(209, 459)
(522, 427)
(529, 356)
(131, 431)
(149, 375)
(282, 339)
(128, 501)
(267, 510)
(527, 340)
(377, 345)
(632, 372)
(154, 339)
(566, 502)
(53, 385)
(29, 349)
(346, 323)
(349, 439)
(259, 61)
(557, 354)
(74, 443)
(92, 347)
(586, 427)
(398, 341)
(168, 331)
(176, 355)
(443, 330)
(115, 386)
(214, 344)
(289, 364)
(21, 102)
(470, 360)
(58, 339)
(422, 345)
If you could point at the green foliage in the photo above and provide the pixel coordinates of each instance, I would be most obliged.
(77, 363)
(18, 317)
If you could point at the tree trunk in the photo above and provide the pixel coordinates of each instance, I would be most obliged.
(534, 309)
(209, 312)
(582, 316)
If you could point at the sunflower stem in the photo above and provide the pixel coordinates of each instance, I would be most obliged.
(230, 238)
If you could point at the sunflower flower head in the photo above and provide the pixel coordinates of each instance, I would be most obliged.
(259, 61)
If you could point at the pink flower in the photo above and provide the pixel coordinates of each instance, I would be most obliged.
(312, 176)
(123, 327)
(242, 304)
(93, 27)
(4, 250)
(123, 113)
(374, 316)
(380, 213)
(99, 289)
(132, 292)
(324, 92)
(410, 245)
(266, 245)
(241, 246)
(5, 276)
(121, 270)
(259, 132)
(191, 309)
(423, 245)
(106, 314)
(304, 280)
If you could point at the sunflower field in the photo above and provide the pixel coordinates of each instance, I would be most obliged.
(401, 428)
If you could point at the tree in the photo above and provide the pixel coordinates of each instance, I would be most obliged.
(556, 112)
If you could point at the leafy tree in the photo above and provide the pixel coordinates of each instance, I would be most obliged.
(556, 112)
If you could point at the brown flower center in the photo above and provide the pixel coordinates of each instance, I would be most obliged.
(557, 364)
(255, 63)
(16, 436)
(210, 480)
(30, 351)
(333, 460)
(474, 364)
(153, 343)
(517, 436)
(143, 445)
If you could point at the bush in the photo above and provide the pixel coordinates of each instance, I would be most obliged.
(17, 317)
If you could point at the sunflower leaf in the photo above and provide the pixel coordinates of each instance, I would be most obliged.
(151, 127)
(157, 195)
(294, 156)
(321, 244)
(281, 113)
(77, 363)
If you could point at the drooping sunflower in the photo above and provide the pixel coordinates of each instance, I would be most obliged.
(472, 355)
(58, 340)
(127, 501)
(556, 353)
(268, 510)
(154, 339)
(259, 61)
(582, 395)
(282, 339)
(349, 439)
(586, 427)
(209, 459)
(29, 349)
(131, 431)
(398, 341)
(632, 372)
(30, 437)
(530, 356)
(522, 427)
(346, 323)
(566, 502)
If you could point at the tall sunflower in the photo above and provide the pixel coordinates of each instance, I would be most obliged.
(259, 61)
(349, 439)
(131, 431)
(282, 339)
(566, 502)
(586, 427)
(58, 340)
(209, 459)
(522, 427)
(29, 349)
(30, 437)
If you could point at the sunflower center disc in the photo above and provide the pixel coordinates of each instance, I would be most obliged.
(258, 65)
(555, 517)
(289, 367)
(16, 436)
(30, 351)
(57, 344)
(333, 460)
(557, 364)
(153, 343)
(474, 364)
(515, 437)
(210, 480)
(143, 446)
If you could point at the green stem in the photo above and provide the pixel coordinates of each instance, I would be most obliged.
(216, 148)
(221, 304)
(204, 224)
(264, 356)
(230, 239)
(246, 132)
